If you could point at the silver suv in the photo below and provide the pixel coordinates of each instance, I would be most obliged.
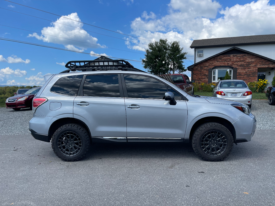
(111, 100)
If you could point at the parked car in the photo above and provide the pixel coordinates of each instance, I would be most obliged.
(180, 80)
(235, 90)
(22, 100)
(117, 102)
(21, 91)
(270, 94)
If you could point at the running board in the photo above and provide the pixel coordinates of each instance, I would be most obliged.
(136, 139)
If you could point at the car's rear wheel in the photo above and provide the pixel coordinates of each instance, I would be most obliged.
(271, 100)
(71, 142)
(212, 141)
(16, 109)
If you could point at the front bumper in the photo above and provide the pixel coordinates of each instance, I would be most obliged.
(21, 104)
(245, 100)
(245, 128)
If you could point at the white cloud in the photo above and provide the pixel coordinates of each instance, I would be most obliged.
(11, 6)
(69, 33)
(35, 79)
(11, 82)
(14, 59)
(97, 55)
(189, 19)
(33, 69)
(73, 48)
(62, 63)
(148, 16)
(6, 72)
(128, 2)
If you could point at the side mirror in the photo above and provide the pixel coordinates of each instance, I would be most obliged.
(169, 96)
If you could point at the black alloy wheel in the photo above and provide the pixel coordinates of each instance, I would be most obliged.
(69, 143)
(213, 142)
(271, 100)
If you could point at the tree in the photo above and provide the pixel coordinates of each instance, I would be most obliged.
(176, 57)
(163, 57)
(156, 57)
(227, 76)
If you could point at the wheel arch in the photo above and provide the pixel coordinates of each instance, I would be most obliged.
(67, 120)
(219, 120)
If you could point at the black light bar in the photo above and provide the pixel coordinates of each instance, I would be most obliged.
(100, 64)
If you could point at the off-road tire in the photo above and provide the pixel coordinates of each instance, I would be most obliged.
(83, 135)
(271, 100)
(203, 130)
(16, 109)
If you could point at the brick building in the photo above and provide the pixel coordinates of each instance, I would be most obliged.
(248, 58)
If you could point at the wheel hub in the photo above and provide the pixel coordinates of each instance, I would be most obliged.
(69, 143)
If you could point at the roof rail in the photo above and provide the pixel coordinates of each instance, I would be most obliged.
(100, 64)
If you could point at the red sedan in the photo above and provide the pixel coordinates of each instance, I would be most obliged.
(22, 100)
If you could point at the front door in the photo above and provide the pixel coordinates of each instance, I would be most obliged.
(148, 114)
(101, 106)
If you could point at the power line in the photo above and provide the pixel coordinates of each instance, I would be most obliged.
(69, 18)
(33, 31)
(52, 21)
(51, 47)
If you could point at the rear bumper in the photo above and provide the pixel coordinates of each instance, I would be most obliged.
(245, 100)
(40, 137)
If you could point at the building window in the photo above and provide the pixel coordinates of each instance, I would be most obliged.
(200, 53)
(219, 74)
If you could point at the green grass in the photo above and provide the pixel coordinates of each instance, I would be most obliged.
(254, 95)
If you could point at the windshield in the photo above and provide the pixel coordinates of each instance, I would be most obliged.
(233, 84)
(33, 90)
(177, 78)
(22, 91)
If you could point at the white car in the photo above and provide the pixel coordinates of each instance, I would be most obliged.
(235, 90)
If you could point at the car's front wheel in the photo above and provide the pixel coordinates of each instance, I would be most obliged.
(212, 141)
(71, 142)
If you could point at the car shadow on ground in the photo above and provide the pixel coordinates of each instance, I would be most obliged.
(21, 110)
(166, 150)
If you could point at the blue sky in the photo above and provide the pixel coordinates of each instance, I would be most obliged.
(145, 21)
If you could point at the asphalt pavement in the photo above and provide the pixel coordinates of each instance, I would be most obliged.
(136, 173)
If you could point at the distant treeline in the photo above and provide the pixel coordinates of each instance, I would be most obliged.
(9, 91)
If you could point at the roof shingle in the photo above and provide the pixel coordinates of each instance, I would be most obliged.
(234, 41)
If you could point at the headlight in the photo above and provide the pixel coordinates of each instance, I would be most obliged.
(22, 99)
(7, 100)
(242, 107)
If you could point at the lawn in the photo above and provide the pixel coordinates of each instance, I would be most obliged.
(254, 95)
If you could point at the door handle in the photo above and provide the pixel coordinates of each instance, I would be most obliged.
(134, 106)
(83, 103)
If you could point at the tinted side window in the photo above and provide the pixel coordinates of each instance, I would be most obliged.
(103, 85)
(177, 95)
(139, 86)
(67, 85)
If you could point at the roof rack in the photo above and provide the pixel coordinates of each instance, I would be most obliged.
(100, 64)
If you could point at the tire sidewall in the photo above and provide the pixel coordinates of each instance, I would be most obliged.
(199, 134)
(83, 135)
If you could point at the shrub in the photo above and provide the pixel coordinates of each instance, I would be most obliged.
(258, 86)
(202, 87)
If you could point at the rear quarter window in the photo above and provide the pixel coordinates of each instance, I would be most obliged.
(67, 85)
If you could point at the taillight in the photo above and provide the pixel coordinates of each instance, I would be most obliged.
(220, 93)
(247, 93)
(38, 101)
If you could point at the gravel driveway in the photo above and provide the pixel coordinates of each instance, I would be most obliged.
(135, 174)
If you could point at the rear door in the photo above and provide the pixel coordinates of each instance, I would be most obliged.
(100, 104)
(148, 114)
